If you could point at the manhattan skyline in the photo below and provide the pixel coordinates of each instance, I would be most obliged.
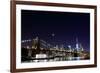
(56, 27)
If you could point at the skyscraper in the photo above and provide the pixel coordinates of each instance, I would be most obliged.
(77, 45)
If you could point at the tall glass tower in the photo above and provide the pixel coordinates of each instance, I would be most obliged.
(77, 44)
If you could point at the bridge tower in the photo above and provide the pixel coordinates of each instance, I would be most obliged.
(36, 45)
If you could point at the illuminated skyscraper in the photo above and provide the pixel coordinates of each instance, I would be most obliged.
(77, 45)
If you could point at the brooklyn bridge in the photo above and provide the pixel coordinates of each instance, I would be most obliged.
(38, 50)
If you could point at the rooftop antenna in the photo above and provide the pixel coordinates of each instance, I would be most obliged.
(76, 40)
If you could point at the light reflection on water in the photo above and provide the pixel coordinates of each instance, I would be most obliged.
(59, 59)
(66, 58)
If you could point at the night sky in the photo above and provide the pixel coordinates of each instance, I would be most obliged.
(56, 27)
